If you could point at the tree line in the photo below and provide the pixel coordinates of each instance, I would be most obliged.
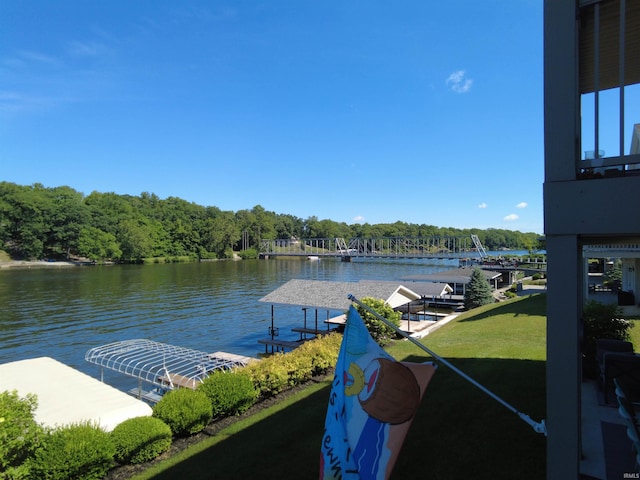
(38, 222)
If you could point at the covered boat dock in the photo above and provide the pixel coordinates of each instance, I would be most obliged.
(333, 296)
(162, 366)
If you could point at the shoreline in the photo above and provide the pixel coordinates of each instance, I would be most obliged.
(18, 264)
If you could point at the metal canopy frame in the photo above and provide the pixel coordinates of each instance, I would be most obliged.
(160, 364)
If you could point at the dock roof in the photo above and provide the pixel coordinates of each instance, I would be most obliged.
(333, 295)
(66, 395)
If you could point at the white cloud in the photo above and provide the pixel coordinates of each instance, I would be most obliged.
(511, 218)
(522, 205)
(358, 218)
(37, 57)
(482, 205)
(87, 49)
(458, 82)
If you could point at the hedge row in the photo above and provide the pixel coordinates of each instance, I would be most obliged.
(283, 370)
(83, 451)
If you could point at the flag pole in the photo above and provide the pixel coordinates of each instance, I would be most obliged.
(539, 427)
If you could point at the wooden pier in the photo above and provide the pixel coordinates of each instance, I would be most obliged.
(279, 345)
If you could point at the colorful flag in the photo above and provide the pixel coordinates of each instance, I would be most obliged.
(372, 403)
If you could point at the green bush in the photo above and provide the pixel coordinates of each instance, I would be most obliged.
(269, 376)
(249, 253)
(322, 351)
(140, 439)
(230, 393)
(19, 432)
(186, 411)
(380, 332)
(273, 374)
(299, 367)
(79, 451)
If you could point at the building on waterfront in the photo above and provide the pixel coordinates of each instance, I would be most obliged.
(591, 51)
(456, 278)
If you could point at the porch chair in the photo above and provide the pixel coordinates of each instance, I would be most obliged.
(605, 346)
(625, 367)
(629, 414)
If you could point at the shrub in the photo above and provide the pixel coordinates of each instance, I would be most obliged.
(274, 373)
(19, 432)
(380, 332)
(249, 253)
(601, 320)
(230, 393)
(299, 367)
(322, 351)
(140, 439)
(77, 451)
(186, 411)
(269, 375)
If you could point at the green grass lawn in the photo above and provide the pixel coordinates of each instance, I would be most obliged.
(634, 333)
(459, 431)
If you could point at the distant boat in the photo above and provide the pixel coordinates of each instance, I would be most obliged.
(313, 258)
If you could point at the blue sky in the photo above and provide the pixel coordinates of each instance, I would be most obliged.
(354, 111)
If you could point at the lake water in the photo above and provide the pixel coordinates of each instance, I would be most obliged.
(208, 306)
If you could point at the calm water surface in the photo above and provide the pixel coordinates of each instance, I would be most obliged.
(209, 306)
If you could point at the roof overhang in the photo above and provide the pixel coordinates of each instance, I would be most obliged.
(629, 250)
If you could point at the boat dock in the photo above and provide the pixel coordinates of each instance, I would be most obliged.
(161, 366)
(278, 345)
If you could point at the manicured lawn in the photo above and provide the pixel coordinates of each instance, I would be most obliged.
(634, 333)
(459, 431)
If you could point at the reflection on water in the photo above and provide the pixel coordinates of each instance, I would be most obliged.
(208, 306)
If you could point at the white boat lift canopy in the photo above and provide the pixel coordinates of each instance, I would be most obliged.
(160, 364)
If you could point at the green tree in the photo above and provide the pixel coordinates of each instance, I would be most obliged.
(220, 232)
(309, 229)
(97, 245)
(66, 215)
(23, 220)
(135, 240)
(265, 222)
(108, 210)
(249, 228)
(288, 226)
(478, 291)
(613, 276)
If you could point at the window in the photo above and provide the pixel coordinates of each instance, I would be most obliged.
(609, 82)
